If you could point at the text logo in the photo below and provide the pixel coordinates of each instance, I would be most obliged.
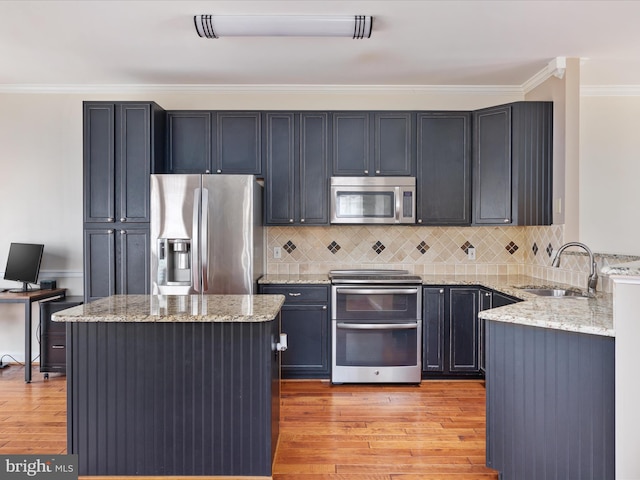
(49, 467)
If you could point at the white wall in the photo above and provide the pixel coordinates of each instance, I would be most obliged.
(41, 165)
(609, 174)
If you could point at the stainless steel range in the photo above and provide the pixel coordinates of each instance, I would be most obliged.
(376, 322)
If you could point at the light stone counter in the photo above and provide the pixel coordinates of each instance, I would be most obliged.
(310, 278)
(623, 269)
(176, 308)
(584, 315)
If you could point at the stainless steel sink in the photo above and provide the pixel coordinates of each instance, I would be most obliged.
(555, 292)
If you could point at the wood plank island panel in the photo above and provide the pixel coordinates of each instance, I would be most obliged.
(346, 432)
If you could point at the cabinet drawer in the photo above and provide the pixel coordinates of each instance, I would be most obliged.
(299, 294)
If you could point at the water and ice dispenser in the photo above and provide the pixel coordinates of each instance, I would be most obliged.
(174, 261)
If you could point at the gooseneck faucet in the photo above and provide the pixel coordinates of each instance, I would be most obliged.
(593, 276)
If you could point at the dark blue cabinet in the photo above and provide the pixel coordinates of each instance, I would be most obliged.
(373, 143)
(305, 320)
(550, 403)
(443, 168)
(512, 164)
(123, 143)
(297, 164)
(451, 332)
(214, 142)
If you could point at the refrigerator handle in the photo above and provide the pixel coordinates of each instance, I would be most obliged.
(195, 250)
(204, 238)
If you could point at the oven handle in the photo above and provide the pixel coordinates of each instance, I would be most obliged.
(378, 326)
(374, 291)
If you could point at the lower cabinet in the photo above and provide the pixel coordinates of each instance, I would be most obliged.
(305, 320)
(453, 336)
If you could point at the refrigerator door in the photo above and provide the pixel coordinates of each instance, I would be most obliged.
(232, 216)
(175, 220)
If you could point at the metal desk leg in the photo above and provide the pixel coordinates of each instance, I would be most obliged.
(27, 342)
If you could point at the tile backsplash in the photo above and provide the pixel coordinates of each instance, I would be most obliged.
(430, 250)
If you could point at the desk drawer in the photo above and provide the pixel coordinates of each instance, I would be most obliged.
(299, 293)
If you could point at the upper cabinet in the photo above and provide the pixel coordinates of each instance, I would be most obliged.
(214, 142)
(443, 168)
(373, 143)
(297, 164)
(512, 164)
(123, 143)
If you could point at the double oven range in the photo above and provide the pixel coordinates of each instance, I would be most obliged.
(376, 322)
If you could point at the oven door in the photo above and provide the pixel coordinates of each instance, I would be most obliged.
(372, 303)
(376, 352)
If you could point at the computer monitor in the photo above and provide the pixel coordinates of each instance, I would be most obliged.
(23, 264)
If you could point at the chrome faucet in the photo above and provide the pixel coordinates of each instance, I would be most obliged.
(593, 276)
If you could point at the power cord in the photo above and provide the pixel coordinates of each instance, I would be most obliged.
(5, 365)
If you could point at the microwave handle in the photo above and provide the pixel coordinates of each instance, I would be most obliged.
(398, 204)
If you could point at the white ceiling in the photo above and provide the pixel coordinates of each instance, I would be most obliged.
(426, 43)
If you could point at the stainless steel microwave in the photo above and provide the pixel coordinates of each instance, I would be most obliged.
(373, 200)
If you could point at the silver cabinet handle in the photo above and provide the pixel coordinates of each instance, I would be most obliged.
(110, 219)
(366, 171)
(377, 171)
(324, 307)
(110, 231)
(57, 346)
(419, 220)
(291, 220)
(296, 294)
(218, 171)
(207, 171)
(378, 326)
(442, 290)
(302, 220)
(374, 291)
(123, 219)
(123, 232)
(506, 220)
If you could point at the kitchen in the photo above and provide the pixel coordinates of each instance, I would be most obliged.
(599, 215)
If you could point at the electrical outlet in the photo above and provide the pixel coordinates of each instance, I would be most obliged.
(471, 253)
(277, 252)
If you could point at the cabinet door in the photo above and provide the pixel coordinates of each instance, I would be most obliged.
(492, 166)
(189, 142)
(393, 137)
(99, 162)
(314, 169)
(280, 166)
(307, 329)
(463, 330)
(238, 143)
(133, 261)
(444, 168)
(433, 326)
(133, 162)
(99, 264)
(351, 143)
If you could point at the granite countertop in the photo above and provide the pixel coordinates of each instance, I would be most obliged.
(584, 315)
(311, 279)
(175, 308)
(623, 269)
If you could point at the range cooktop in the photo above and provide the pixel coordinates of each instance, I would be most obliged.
(374, 277)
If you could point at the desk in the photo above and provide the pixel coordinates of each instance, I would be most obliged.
(27, 298)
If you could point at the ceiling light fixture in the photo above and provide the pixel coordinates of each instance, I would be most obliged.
(214, 26)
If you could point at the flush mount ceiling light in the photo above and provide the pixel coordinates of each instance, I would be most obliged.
(214, 26)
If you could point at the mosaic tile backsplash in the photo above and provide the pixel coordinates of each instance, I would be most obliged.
(430, 250)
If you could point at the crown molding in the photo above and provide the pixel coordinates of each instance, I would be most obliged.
(489, 90)
(610, 91)
(555, 68)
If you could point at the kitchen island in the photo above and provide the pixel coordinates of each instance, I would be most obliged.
(550, 385)
(173, 385)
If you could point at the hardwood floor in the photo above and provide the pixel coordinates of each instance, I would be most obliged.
(343, 432)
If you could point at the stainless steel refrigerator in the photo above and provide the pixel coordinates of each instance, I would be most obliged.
(206, 234)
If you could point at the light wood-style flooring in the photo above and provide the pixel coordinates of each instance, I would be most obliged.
(345, 432)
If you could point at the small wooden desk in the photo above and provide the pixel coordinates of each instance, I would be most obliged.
(27, 298)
